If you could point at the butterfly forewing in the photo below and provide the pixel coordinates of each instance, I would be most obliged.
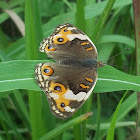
(67, 42)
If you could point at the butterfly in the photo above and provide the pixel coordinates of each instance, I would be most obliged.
(70, 80)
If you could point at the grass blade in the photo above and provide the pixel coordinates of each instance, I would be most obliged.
(105, 126)
(105, 14)
(117, 38)
(22, 77)
(32, 27)
(126, 107)
(98, 118)
(80, 15)
(110, 135)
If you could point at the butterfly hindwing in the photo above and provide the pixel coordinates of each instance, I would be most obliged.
(65, 94)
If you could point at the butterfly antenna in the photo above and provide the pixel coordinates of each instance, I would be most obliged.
(119, 66)
(118, 54)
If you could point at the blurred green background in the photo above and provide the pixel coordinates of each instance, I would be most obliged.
(24, 109)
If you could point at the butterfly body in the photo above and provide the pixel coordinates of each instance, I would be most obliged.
(68, 82)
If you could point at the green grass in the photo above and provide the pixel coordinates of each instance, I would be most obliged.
(24, 109)
(33, 35)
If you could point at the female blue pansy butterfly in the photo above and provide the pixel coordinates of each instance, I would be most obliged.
(68, 82)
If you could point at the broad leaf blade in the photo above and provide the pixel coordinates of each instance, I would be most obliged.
(20, 75)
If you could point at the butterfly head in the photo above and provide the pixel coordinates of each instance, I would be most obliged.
(100, 64)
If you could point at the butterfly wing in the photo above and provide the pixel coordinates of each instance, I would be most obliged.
(65, 86)
(68, 42)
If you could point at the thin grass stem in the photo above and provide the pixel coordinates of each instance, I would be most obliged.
(136, 6)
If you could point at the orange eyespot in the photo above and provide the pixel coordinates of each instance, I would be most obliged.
(57, 88)
(50, 48)
(47, 70)
(60, 40)
(62, 104)
(65, 31)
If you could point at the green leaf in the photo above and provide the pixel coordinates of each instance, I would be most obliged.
(118, 39)
(104, 126)
(117, 79)
(19, 74)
